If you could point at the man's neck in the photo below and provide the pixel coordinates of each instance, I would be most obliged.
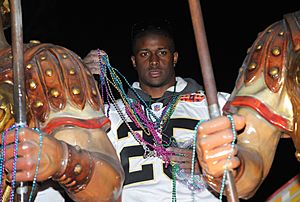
(156, 92)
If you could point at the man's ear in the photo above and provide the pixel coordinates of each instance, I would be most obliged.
(133, 62)
(175, 58)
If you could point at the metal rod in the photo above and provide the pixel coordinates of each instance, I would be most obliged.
(19, 82)
(209, 80)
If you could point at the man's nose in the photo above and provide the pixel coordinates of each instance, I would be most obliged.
(154, 63)
(154, 60)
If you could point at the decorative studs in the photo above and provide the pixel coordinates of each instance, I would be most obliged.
(43, 57)
(276, 51)
(32, 85)
(10, 56)
(34, 41)
(49, 72)
(77, 148)
(297, 154)
(72, 71)
(281, 33)
(38, 104)
(252, 66)
(274, 72)
(65, 56)
(77, 169)
(270, 30)
(54, 93)
(259, 46)
(29, 66)
(75, 91)
(248, 50)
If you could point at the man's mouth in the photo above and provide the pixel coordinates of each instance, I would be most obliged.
(155, 73)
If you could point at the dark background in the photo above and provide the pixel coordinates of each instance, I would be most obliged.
(231, 28)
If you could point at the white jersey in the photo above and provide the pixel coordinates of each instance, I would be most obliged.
(147, 180)
(49, 195)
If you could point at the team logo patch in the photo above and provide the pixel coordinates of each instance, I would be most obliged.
(157, 106)
(193, 97)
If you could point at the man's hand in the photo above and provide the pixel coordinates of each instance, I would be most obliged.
(93, 60)
(183, 157)
(214, 144)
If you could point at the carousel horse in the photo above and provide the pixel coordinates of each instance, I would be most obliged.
(64, 103)
(61, 95)
(267, 93)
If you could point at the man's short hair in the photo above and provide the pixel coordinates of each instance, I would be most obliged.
(153, 26)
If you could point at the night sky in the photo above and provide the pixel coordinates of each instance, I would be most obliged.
(231, 28)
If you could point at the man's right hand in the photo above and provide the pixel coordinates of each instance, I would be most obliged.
(93, 59)
(214, 144)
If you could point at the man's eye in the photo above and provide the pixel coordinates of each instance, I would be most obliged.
(162, 52)
(144, 54)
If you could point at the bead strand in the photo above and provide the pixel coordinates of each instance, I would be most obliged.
(229, 156)
(175, 169)
(191, 182)
(14, 171)
(38, 163)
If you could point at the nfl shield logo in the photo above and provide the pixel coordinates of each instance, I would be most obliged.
(157, 106)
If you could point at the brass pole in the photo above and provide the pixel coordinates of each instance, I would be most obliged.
(19, 94)
(209, 80)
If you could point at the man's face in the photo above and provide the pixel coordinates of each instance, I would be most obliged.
(154, 61)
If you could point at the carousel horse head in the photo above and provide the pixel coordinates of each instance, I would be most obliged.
(58, 86)
(61, 95)
(269, 79)
(60, 90)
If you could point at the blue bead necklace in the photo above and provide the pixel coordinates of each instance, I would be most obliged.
(229, 156)
(38, 163)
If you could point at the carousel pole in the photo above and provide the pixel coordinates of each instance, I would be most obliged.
(209, 80)
(19, 80)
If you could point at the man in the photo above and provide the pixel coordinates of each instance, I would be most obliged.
(71, 156)
(266, 100)
(153, 125)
